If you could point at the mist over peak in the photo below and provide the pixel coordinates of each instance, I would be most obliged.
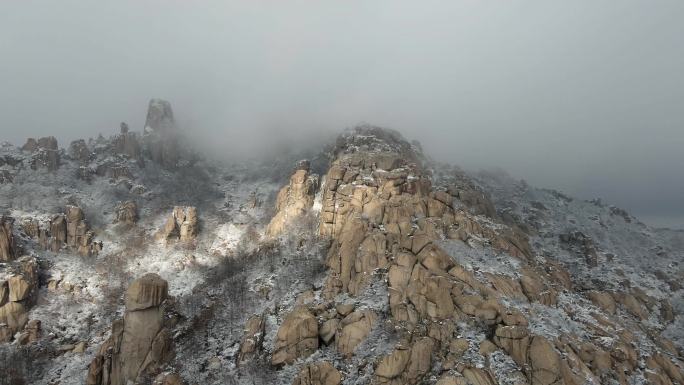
(580, 96)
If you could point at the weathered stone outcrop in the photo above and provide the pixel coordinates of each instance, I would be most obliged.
(146, 292)
(8, 247)
(477, 376)
(79, 151)
(603, 300)
(50, 235)
(544, 362)
(78, 235)
(321, 373)
(297, 337)
(294, 200)
(406, 366)
(328, 330)
(139, 343)
(45, 153)
(182, 225)
(467, 193)
(634, 304)
(17, 295)
(32, 332)
(19, 288)
(252, 338)
(13, 317)
(129, 144)
(127, 212)
(582, 245)
(354, 328)
(382, 214)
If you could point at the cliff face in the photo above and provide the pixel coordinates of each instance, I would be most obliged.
(453, 267)
(385, 269)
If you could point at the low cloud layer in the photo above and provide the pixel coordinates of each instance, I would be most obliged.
(582, 96)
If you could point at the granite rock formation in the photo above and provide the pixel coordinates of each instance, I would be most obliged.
(139, 343)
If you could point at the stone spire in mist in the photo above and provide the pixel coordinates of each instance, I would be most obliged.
(161, 136)
(159, 117)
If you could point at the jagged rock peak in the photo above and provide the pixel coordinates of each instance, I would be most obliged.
(161, 135)
(159, 116)
(373, 139)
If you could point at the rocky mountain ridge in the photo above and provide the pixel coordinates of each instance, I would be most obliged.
(133, 260)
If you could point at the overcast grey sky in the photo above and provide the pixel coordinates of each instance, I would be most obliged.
(586, 96)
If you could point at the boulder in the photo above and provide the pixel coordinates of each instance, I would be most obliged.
(321, 373)
(19, 288)
(354, 328)
(459, 346)
(328, 330)
(487, 348)
(392, 366)
(148, 291)
(344, 309)
(14, 315)
(544, 362)
(476, 376)
(296, 337)
(420, 360)
(514, 340)
(33, 330)
(406, 366)
(434, 259)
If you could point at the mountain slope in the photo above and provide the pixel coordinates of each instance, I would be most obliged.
(387, 268)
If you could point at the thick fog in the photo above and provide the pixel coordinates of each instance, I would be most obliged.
(584, 96)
